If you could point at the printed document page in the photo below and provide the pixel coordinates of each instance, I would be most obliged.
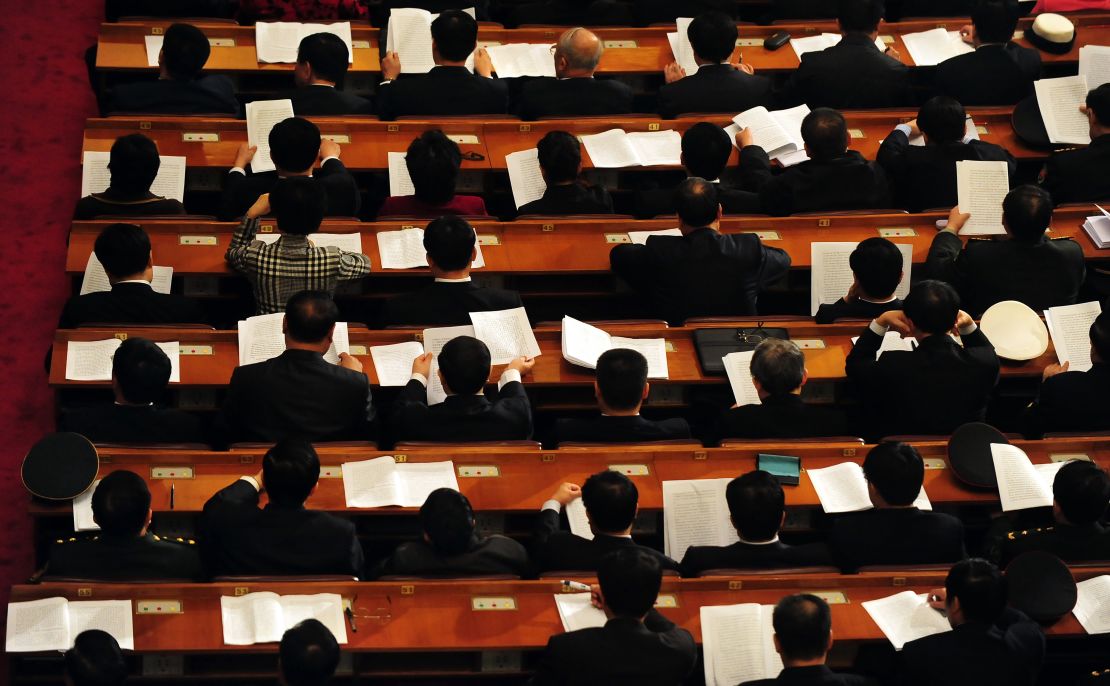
(508, 334)
(522, 59)
(400, 183)
(1092, 607)
(832, 276)
(1059, 101)
(262, 115)
(1070, 328)
(96, 279)
(738, 644)
(1019, 485)
(738, 369)
(680, 46)
(525, 176)
(906, 617)
(695, 513)
(169, 183)
(611, 149)
(981, 187)
(1094, 65)
(577, 612)
(394, 362)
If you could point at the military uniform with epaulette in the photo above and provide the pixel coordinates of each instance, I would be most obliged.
(1069, 543)
(1079, 174)
(125, 558)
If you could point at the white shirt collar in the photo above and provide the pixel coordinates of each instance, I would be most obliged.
(770, 542)
(879, 302)
(465, 279)
(143, 281)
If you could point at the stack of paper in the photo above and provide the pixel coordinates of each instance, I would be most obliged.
(779, 133)
(1070, 328)
(400, 183)
(981, 187)
(680, 46)
(821, 41)
(577, 611)
(584, 344)
(261, 339)
(404, 249)
(82, 510)
(92, 360)
(262, 115)
(54, 623)
(641, 237)
(843, 488)
(906, 617)
(264, 617)
(525, 176)
(832, 276)
(1098, 228)
(279, 41)
(1021, 484)
(409, 34)
(738, 645)
(892, 341)
(1094, 65)
(394, 362)
(521, 59)
(349, 242)
(615, 148)
(930, 48)
(1092, 606)
(695, 513)
(169, 183)
(381, 482)
(738, 368)
(96, 279)
(1059, 101)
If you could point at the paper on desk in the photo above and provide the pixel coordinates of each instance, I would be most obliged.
(971, 133)
(738, 645)
(579, 522)
(409, 34)
(110, 616)
(400, 183)
(54, 623)
(522, 59)
(611, 149)
(261, 339)
(394, 362)
(96, 279)
(82, 510)
(525, 176)
(169, 183)
(92, 360)
(906, 617)
(843, 488)
(264, 617)
(657, 148)
(892, 341)
(348, 242)
(831, 274)
(1021, 484)
(930, 48)
(262, 115)
(1092, 606)
(695, 513)
(382, 482)
(680, 46)
(583, 344)
(1094, 65)
(404, 249)
(280, 41)
(738, 369)
(1059, 101)
(981, 187)
(641, 237)
(154, 49)
(821, 41)
(1070, 328)
(577, 612)
(173, 351)
(778, 133)
(507, 333)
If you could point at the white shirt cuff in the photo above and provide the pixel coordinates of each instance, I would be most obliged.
(237, 170)
(970, 328)
(329, 157)
(878, 328)
(508, 376)
(417, 376)
(904, 128)
(552, 505)
(250, 480)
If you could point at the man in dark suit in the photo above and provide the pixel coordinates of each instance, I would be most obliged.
(719, 85)
(180, 88)
(125, 549)
(637, 645)
(283, 537)
(295, 146)
(999, 72)
(877, 270)
(757, 508)
(95, 660)
(573, 91)
(299, 393)
(803, 638)
(621, 387)
(124, 252)
(611, 501)
(833, 178)
(899, 10)
(1080, 493)
(701, 273)
(938, 386)
(322, 62)
(449, 88)
(133, 164)
(1027, 266)
(466, 415)
(450, 547)
(854, 73)
(308, 654)
(779, 372)
(140, 373)
(990, 644)
(1074, 400)
(924, 177)
(895, 531)
(560, 157)
(450, 242)
(1080, 174)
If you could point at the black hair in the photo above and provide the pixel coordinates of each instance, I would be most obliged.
(980, 588)
(610, 499)
(455, 34)
(95, 660)
(803, 624)
(449, 242)
(995, 20)
(310, 316)
(621, 378)
(142, 370)
(308, 654)
(327, 54)
(896, 471)
(1082, 490)
(185, 49)
(299, 203)
(778, 365)
(943, 119)
(1098, 100)
(465, 363)
(120, 504)
(877, 264)
(932, 306)
(696, 202)
(123, 249)
(448, 520)
(825, 133)
(705, 150)
(294, 144)
(1100, 335)
(860, 16)
(630, 579)
(290, 471)
(1027, 211)
(133, 163)
(756, 503)
(560, 156)
(712, 36)
(433, 162)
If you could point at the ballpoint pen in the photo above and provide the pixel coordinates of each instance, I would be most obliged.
(575, 586)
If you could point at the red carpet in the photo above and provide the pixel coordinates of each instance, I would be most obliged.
(46, 101)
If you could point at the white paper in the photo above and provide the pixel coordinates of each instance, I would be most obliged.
(738, 644)
(825, 40)
(1070, 328)
(507, 334)
(1098, 228)
(279, 41)
(930, 48)
(402, 249)
(169, 183)
(971, 133)
(262, 115)
(173, 351)
(680, 46)
(110, 616)
(611, 149)
(261, 339)
(641, 237)
(843, 488)
(831, 274)
(525, 176)
(766, 130)
(264, 617)
(154, 48)
(522, 59)
(1094, 65)
(82, 510)
(90, 360)
(1092, 606)
(577, 611)
(434, 340)
(96, 279)
(1020, 486)
(54, 623)
(654, 351)
(791, 122)
(1059, 101)
(400, 183)
(892, 341)
(906, 617)
(381, 482)
(583, 344)
(578, 520)
(409, 34)
(981, 187)
(394, 362)
(738, 369)
(657, 148)
(695, 513)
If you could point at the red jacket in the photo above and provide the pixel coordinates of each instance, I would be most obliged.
(409, 206)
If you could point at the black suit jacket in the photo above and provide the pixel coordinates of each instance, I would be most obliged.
(897, 10)
(462, 418)
(242, 539)
(111, 203)
(1044, 274)
(901, 536)
(857, 309)
(132, 558)
(575, 198)
(931, 390)
(242, 190)
(1070, 543)
(783, 416)
(553, 549)
(992, 75)
(607, 429)
(819, 675)
(1072, 401)
(714, 88)
(654, 652)
(213, 94)
(750, 556)
(846, 182)
(1079, 175)
(297, 393)
(129, 303)
(703, 273)
(551, 97)
(925, 178)
(1007, 653)
(446, 304)
(309, 101)
(111, 423)
(493, 555)
(652, 203)
(851, 75)
(443, 91)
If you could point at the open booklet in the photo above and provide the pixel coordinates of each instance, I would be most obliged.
(507, 333)
(738, 645)
(577, 612)
(1070, 328)
(1094, 65)
(584, 344)
(695, 513)
(261, 339)
(96, 279)
(980, 188)
(92, 360)
(1059, 101)
(169, 183)
(264, 617)
(680, 46)
(262, 115)
(522, 59)
(906, 617)
(843, 488)
(831, 273)
(779, 133)
(1022, 484)
(738, 369)
(54, 623)
(1092, 606)
(409, 34)
(1098, 228)
(930, 48)
(381, 482)
(821, 41)
(525, 176)
(615, 148)
(279, 41)
(404, 249)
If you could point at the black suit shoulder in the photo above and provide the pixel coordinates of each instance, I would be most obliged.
(131, 559)
(111, 423)
(551, 97)
(211, 94)
(714, 88)
(327, 101)
(442, 91)
(130, 304)
(828, 313)
(619, 430)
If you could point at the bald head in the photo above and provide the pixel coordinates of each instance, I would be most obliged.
(577, 53)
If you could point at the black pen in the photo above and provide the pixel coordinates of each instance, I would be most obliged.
(351, 618)
(171, 495)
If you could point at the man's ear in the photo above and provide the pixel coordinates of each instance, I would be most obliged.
(775, 640)
(805, 378)
(830, 643)
(901, 276)
(720, 212)
(647, 390)
(284, 324)
(597, 390)
(150, 259)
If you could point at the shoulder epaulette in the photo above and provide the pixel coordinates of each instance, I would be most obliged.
(1014, 535)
